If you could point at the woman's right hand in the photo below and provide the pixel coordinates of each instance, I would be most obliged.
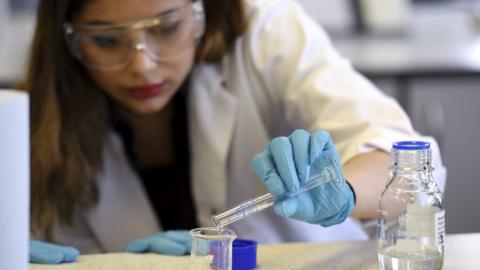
(285, 165)
(48, 253)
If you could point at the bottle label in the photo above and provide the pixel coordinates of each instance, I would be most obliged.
(440, 227)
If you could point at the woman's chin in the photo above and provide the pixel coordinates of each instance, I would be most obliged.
(147, 109)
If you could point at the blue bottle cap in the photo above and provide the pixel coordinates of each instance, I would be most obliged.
(411, 145)
(244, 254)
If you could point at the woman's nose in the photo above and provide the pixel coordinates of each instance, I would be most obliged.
(142, 62)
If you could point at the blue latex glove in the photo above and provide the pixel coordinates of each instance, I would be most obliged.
(176, 242)
(47, 253)
(284, 165)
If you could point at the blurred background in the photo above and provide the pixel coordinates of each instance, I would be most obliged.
(426, 54)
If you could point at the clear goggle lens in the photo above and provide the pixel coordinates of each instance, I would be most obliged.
(110, 47)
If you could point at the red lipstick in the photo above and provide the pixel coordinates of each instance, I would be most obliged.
(145, 91)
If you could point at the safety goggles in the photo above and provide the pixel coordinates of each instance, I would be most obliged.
(112, 46)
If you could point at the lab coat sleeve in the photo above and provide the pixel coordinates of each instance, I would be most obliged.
(318, 89)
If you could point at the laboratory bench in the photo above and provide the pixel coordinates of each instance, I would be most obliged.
(462, 252)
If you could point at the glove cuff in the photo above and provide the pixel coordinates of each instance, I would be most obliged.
(343, 214)
(353, 192)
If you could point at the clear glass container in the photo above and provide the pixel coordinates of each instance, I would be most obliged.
(211, 248)
(411, 224)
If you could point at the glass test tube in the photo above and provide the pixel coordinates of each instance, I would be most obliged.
(320, 173)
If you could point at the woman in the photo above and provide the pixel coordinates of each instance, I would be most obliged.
(146, 116)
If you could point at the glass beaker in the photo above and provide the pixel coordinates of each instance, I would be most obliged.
(211, 248)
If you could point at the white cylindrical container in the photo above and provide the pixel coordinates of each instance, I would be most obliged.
(14, 180)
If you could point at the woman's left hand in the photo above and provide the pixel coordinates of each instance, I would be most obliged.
(175, 242)
(284, 166)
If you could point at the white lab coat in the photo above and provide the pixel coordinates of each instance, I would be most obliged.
(283, 74)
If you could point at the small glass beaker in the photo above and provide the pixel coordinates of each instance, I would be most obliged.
(211, 248)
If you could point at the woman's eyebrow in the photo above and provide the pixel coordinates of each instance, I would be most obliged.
(101, 22)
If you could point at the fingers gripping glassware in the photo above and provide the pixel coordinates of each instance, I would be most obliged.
(211, 248)
(112, 46)
(320, 173)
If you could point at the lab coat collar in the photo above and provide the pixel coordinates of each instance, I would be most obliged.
(212, 115)
(123, 213)
(213, 107)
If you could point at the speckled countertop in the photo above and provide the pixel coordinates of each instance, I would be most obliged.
(462, 252)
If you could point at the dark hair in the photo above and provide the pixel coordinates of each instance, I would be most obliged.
(69, 116)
